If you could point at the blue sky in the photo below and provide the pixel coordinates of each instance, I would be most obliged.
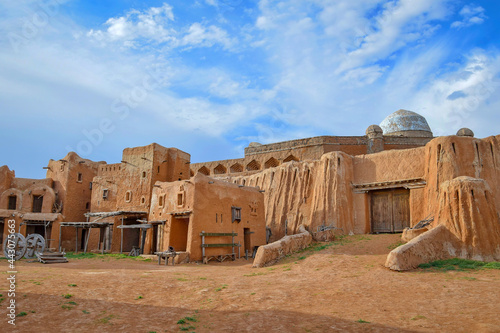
(211, 76)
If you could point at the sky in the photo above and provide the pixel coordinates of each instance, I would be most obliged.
(211, 76)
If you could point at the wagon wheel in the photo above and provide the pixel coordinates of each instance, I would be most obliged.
(18, 244)
(35, 243)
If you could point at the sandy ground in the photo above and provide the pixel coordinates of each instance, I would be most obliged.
(343, 288)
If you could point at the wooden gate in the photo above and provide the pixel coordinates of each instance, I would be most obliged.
(390, 210)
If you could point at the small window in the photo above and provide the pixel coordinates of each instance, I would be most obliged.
(160, 201)
(236, 214)
(79, 177)
(143, 200)
(105, 193)
(128, 196)
(144, 174)
(37, 203)
(90, 185)
(158, 169)
(180, 199)
(12, 202)
(87, 206)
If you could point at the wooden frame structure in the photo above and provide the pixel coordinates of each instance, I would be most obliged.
(88, 226)
(220, 257)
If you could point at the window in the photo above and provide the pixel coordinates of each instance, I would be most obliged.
(158, 169)
(90, 185)
(128, 196)
(143, 200)
(160, 201)
(236, 214)
(37, 203)
(12, 202)
(87, 206)
(79, 177)
(144, 174)
(105, 193)
(180, 199)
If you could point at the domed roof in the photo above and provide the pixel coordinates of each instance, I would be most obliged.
(373, 129)
(406, 123)
(254, 144)
(465, 132)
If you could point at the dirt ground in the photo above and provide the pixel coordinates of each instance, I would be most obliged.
(342, 288)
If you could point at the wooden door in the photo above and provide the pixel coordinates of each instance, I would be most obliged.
(400, 209)
(381, 211)
(390, 210)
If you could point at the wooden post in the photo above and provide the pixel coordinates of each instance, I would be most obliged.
(121, 240)
(103, 230)
(60, 236)
(87, 240)
(203, 243)
(143, 240)
(76, 240)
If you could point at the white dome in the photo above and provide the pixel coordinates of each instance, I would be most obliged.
(406, 123)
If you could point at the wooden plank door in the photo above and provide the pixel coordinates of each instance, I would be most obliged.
(400, 209)
(390, 210)
(381, 211)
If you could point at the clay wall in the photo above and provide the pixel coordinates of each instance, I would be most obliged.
(215, 168)
(130, 182)
(269, 254)
(260, 157)
(72, 177)
(311, 193)
(6, 176)
(453, 156)
(210, 205)
(387, 166)
(25, 190)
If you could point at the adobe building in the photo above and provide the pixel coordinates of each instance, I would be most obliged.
(393, 177)
(121, 192)
(384, 191)
(30, 202)
(39, 205)
(185, 209)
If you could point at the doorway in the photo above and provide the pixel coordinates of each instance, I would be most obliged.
(41, 229)
(84, 237)
(390, 210)
(131, 236)
(179, 227)
(154, 238)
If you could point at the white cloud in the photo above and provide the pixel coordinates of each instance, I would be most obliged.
(154, 25)
(398, 25)
(470, 86)
(201, 36)
(150, 25)
(471, 15)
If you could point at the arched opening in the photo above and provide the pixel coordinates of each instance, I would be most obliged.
(204, 170)
(253, 166)
(271, 163)
(290, 158)
(220, 169)
(236, 168)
